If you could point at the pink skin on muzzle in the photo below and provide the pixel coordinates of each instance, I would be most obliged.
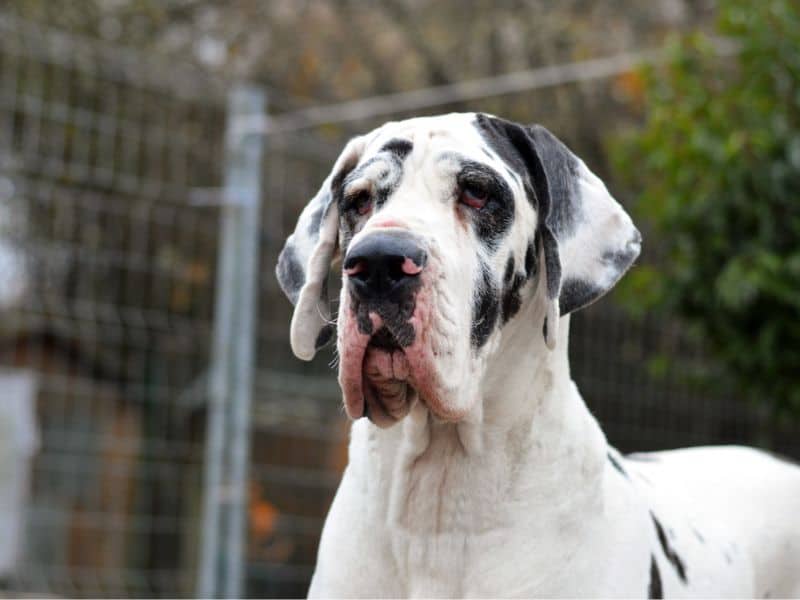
(381, 377)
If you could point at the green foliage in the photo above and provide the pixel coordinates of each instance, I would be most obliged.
(718, 165)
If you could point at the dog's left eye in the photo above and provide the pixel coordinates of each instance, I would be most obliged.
(473, 197)
(361, 202)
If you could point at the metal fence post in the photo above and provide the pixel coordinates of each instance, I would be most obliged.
(221, 565)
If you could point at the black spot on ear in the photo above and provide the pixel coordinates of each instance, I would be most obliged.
(530, 259)
(290, 273)
(484, 309)
(552, 263)
(654, 590)
(669, 552)
(577, 293)
(498, 140)
(325, 336)
(513, 143)
(561, 167)
(399, 147)
(617, 465)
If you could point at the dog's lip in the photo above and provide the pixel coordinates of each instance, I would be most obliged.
(375, 375)
(385, 386)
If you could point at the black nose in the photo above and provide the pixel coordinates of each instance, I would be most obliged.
(384, 265)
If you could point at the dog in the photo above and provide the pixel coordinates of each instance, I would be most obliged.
(464, 242)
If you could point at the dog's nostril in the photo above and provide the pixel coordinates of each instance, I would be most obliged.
(355, 267)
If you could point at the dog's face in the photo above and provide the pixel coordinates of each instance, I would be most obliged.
(445, 227)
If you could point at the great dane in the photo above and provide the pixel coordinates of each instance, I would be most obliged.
(464, 242)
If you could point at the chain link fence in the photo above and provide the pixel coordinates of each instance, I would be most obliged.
(111, 166)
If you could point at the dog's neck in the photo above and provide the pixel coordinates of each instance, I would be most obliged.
(531, 437)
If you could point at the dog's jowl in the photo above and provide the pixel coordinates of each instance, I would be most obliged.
(464, 242)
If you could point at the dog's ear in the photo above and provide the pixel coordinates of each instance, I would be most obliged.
(587, 239)
(304, 262)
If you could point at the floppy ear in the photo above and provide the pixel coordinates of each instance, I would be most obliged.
(587, 239)
(304, 262)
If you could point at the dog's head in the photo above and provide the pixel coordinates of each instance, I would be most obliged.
(445, 227)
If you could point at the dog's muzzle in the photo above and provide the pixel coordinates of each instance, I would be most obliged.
(384, 275)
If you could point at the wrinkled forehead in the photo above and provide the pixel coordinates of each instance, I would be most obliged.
(428, 139)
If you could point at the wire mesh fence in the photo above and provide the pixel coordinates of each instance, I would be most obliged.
(107, 312)
(106, 286)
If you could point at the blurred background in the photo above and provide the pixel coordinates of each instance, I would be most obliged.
(157, 437)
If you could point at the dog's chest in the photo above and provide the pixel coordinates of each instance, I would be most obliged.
(459, 526)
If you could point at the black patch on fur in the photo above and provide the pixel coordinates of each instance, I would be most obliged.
(493, 220)
(654, 590)
(516, 144)
(498, 141)
(509, 272)
(290, 273)
(392, 154)
(399, 147)
(669, 552)
(395, 315)
(552, 263)
(484, 309)
(561, 167)
(577, 293)
(348, 219)
(550, 179)
(530, 260)
(325, 336)
(617, 465)
(620, 260)
(512, 299)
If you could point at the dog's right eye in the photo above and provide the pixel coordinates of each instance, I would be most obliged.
(473, 196)
(361, 202)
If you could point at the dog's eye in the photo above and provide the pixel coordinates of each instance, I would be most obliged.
(361, 202)
(473, 196)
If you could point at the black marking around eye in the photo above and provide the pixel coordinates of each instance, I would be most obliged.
(617, 465)
(654, 589)
(493, 220)
(484, 308)
(669, 552)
